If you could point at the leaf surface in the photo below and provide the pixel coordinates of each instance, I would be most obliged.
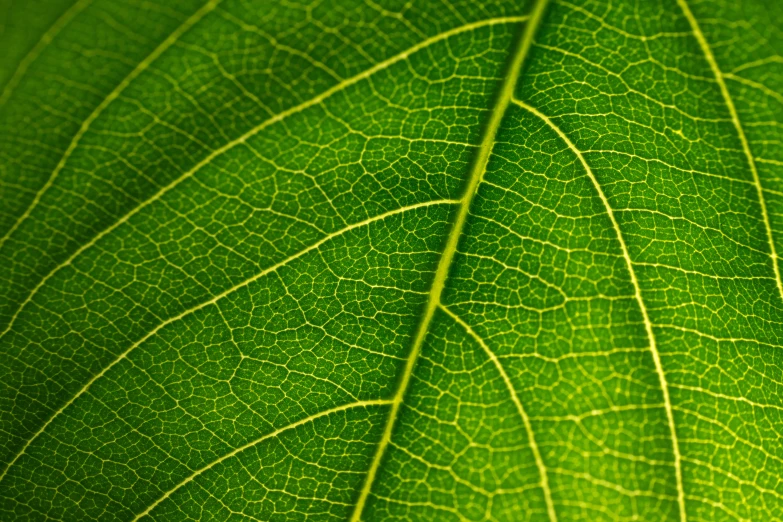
(361, 260)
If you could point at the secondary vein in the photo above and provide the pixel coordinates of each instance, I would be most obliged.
(520, 409)
(720, 78)
(637, 294)
(211, 301)
(113, 95)
(275, 433)
(441, 273)
(39, 47)
(237, 142)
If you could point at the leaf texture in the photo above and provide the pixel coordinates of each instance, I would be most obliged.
(364, 260)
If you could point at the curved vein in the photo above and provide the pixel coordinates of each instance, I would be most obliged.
(441, 274)
(637, 294)
(755, 85)
(306, 420)
(143, 65)
(520, 409)
(719, 78)
(252, 132)
(39, 47)
(211, 301)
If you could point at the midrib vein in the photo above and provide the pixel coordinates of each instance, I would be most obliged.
(242, 139)
(719, 78)
(442, 271)
(637, 295)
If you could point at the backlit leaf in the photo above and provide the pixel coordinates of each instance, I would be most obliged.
(391, 260)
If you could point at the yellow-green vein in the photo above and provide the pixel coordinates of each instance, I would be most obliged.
(39, 47)
(719, 77)
(113, 95)
(256, 442)
(252, 132)
(550, 506)
(211, 301)
(638, 296)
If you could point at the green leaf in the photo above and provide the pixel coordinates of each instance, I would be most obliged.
(391, 260)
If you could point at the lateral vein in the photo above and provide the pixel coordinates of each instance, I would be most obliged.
(211, 301)
(720, 79)
(301, 422)
(114, 94)
(442, 271)
(39, 47)
(637, 294)
(520, 409)
(241, 140)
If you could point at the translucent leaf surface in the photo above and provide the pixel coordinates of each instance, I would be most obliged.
(391, 260)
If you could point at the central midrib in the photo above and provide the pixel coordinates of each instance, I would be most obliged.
(441, 274)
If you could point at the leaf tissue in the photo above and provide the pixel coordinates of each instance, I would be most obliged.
(415, 260)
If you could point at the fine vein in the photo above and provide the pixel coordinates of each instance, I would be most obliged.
(39, 47)
(442, 271)
(113, 95)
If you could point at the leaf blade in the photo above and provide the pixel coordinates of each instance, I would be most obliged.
(621, 205)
